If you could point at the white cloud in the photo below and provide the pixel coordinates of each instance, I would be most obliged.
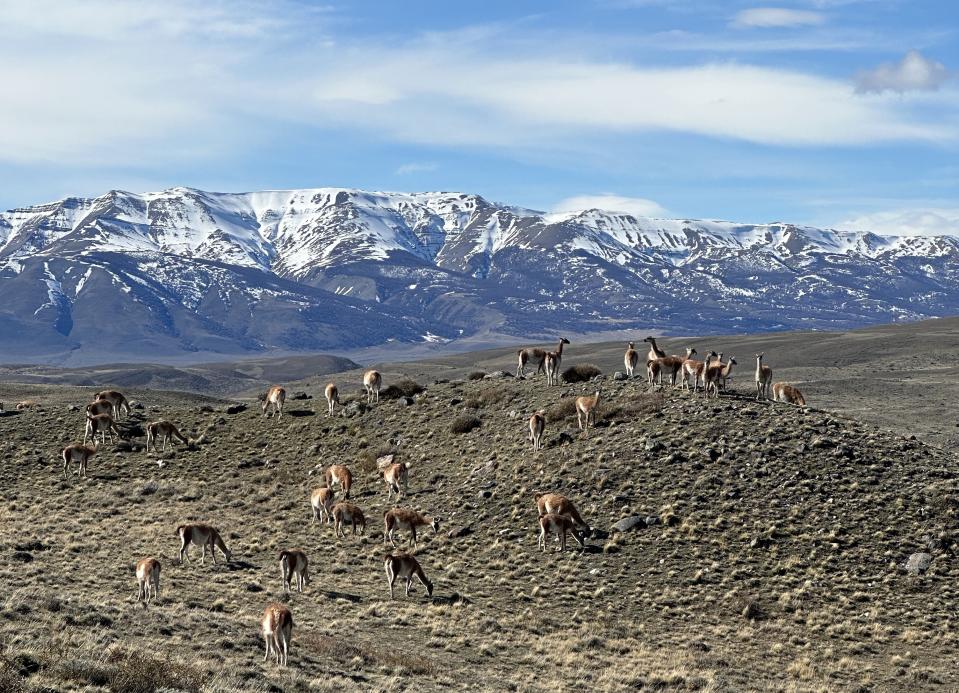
(415, 167)
(912, 73)
(776, 17)
(907, 222)
(637, 206)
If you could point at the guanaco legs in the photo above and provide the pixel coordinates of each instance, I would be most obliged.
(332, 393)
(277, 628)
(148, 579)
(554, 360)
(80, 454)
(783, 392)
(524, 355)
(407, 520)
(537, 424)
(372, 381)
(321, 500)
(764, 378)
(341, 475)
(117, 401)
(405, 566)
(714, 374)
(586, 408)
(165, 431)
(274, 400)
(201, 535)
(631, 359)
(294, 566)
(397, 477)
(102, 424)
(560, 525)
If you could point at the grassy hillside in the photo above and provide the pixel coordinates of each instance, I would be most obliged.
(773, 557)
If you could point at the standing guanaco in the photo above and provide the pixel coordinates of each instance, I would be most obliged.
(201, 535)
(409, 520)
(524, 355)
(321, 500)
(117, 400)
(560, 525)
(347, 513)
(165, 431)
(372, 381)
(405, 566)
(148, 579)
(537, 424)
(294, 565)
(558, 504)
(764, 378)
(102, 424)
(631, 359)
(80, 454)
(694, 369)
(275, 398)
(277, 628)
(341, 475)
(332, 393)
(586, 406)
(714, 374)
(554, 360)
(397, 477)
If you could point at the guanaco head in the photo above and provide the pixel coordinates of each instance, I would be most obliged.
(631, 345)
(760, 355)
(435, 525)
(564, 340)
(650, 339)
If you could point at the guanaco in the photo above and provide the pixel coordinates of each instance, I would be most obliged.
(80, 454)
(560, 525)
(764, 378)
(405, 566)
(294, 566)
(332, 393)
(27, 404)
(524, 355)
(117, 400)
(277, 627)
(148, 579)
(586, 407)
(341, 475)
(321, 500)
(667, 364)
(631, 359)
(275, 398)
(557, 504)
(347, 513)
(396, 476)
(406, 519)
(372, 381)
(165, 431)
(100, 406)
(714, 374)
(537, 424)
(201, 535)
(693, 368)
(554, 360)
(102, 424)
(783, 392)
(654, 351)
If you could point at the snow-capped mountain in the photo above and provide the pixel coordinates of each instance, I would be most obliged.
(186, 271)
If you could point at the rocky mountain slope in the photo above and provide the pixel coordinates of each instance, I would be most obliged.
(186, 273)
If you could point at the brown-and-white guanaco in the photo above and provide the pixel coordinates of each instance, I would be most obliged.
(586, 408)
(372, 381)
(631, 359)
(201, 535)
(554, 360)
(277, 628)
(341, 475)
(537, 424)
(274, 400)
(345, 513)
(164, 431)
(764, 378)
(80, 454)
(784, 392)
(560, 525)
(117, 400)
(102, 424)
(397, 478)
(406, 567)
(525, 355)
(321, 500)
(148, 579)
(294, 566)
(407, 520)
(332, 393)
(558, 504)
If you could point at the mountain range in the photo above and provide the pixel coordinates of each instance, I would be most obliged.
(188, 274)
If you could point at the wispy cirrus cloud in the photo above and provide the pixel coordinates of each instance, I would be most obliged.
(776, 17)
(913, 73)
(415, 167)
(933, 221)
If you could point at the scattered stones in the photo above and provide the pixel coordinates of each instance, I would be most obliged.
(630, 524)
(205, 409)
(619, 376)
(460, 532)
(236, 408)
(497, 375)
(651, 520)
(300, 395)
(918, 563)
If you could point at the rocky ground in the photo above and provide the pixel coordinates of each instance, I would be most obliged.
(769, 548)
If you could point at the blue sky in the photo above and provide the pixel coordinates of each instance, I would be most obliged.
(832, 112)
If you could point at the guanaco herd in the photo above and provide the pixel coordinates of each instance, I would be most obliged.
(558, 517)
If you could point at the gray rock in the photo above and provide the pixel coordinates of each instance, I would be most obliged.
(918, 563)
(235, 408)
(619, 375)
(652, 520)
(497, 375)
(653, 446)
(629, 524)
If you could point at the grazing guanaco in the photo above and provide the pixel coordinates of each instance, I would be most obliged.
(714, 374)
(332, 393)
(409, 520)
(102, 424)
(100, 406)
(277, 627)
(764, 378)
(560, 525)
(667, 364)
(631, 359)
(347, 513)
(586, 407)
(117, 400)
(537, 424)
(201, 535)
(783, 392)
(341, 475)
(396, 476)
(554, 360)
(165, 431)
(524, 355)
(405, 566)
(693, 369)
(294, 565)
(27, 404)
(80, 454)
(557, 504)
(275, 398)
(321, 500)
(148, 579)
(654, 351)
(372, 381)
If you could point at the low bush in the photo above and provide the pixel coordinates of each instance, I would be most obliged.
(404, 387)
(476, 375)
(465, 423)
(581, 373)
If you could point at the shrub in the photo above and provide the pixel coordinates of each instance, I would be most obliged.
(404, 387)
(563, 409)
(476, 375)
(581, 373)
(367, 460)
(465, 423)
(639, 406)
(10, 678)
(488, 396)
